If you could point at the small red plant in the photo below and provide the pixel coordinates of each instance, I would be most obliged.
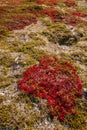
(16, 1)
(55, 81)
(50, 2)
(18, 22)
(79, 14)
(70, 3)
(52, 13)
(69, 19)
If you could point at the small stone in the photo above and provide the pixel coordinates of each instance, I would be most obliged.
(2, 94)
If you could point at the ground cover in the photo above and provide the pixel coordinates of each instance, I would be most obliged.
(30, 30)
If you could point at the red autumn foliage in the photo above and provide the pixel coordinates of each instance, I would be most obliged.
(55, 81)
(79, 14)
(69, 19)
(70, 3)
(17, 1)
(52, 13)
(19, 22)
(1, 12)
(51, 2)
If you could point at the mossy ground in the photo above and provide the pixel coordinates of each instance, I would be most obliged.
(22, 48)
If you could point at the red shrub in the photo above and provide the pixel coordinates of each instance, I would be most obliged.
(18, 22)
(69, 19)
(1, 10)
(55, 81)
(70, 3)
(52, 13)
(17, 1)
(51, 2)
(79, 14)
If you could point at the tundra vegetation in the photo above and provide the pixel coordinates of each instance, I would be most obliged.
(43, 64)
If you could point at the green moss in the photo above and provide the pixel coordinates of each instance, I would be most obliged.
(3, 32)
(85, 83)
(36, 53)
(37, 41)
(6, 59)
(58, 33)
(30, 49)
(78, 121)
(17, 45)
(82, 10)
(50, 36)
(14, 114)
(61, 4)
(2, 98)
(30, 60)
(23, 97)
(34, 7)
(5, 70)
(5, 81)
(5, 116)
(4, 44)
(79, 56)
(5, 20)
(45, 21)
(30, 52)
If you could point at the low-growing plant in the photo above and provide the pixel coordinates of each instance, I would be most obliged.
(50, 2)
(79, 14)
(56, 81)
(73, 21)
(58, 33)
(5, 81)
(70, 3)
(78, 122)
(20, 22)
(52, 13)
(3, 32)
